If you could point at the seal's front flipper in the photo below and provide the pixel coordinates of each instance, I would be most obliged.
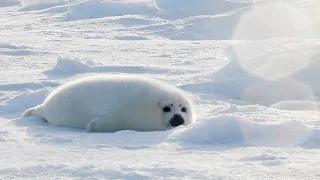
(102, 124)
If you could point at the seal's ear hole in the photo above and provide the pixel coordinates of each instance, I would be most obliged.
(171, 105)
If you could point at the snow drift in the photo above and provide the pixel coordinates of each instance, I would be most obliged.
(267, 72)
(276, 19)
(87, 9)
(232, 129)
(186, 8)
(29, 5)
(197, 20)
(163, 8)
(67, 66)
(297, 105)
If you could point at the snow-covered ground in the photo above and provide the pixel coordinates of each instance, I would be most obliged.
(250, 66)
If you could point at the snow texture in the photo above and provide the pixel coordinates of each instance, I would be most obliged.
(6, 3)
(251, 67)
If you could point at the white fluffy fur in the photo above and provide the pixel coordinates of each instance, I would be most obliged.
(109, 103)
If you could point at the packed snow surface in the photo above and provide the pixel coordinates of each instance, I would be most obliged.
(250, 66)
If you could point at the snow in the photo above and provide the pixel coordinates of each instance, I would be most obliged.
(275, 19)
(29, 5)
(6, 3)
(296, 105)
(251, 68)
(233, 129)
(96, 8)
(267, 72)
(68, 67)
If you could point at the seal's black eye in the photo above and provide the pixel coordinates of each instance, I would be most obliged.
(166, 109)
(184, 109)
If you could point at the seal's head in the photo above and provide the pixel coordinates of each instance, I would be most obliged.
(177, 113)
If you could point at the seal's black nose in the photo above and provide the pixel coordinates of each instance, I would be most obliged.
(176, 120)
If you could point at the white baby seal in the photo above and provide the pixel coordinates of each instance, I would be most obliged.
(109, 103)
